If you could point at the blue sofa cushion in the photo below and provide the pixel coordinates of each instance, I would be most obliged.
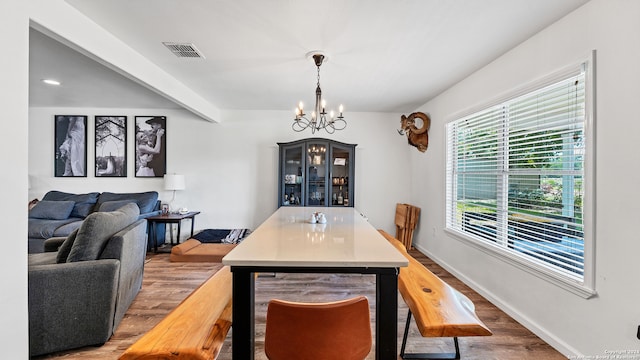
(52, 210)
(84, 202)
(146, 200)
(46, 228)
(67, 228)
(97, 229)
(114, 205)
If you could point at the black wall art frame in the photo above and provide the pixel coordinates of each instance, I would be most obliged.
(151, 151)
(70, 146)
(111, 146)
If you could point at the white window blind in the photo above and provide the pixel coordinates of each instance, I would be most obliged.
(516, 180)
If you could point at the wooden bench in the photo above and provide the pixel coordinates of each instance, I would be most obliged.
(439, 309)
(195, 329)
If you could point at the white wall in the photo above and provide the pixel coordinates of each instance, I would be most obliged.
(13, 192)
(231, 167)
(574, 325)
(231, 175)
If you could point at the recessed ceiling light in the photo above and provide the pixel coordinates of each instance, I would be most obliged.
(51, 82)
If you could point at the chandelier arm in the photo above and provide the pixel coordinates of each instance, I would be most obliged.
(339, 124)
(318, 116)
(300, 124)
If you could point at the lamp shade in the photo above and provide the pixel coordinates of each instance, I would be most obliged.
(174, 182)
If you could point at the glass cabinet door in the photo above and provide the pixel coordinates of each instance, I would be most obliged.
(316, 174)
(292, 163)
(341, 173)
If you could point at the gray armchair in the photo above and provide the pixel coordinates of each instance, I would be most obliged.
(79, 294)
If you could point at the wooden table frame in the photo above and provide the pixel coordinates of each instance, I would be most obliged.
(288, 243)
(243, 342)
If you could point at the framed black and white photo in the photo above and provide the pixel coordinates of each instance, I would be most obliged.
(151, 152)
(70, 146)
(111, 146)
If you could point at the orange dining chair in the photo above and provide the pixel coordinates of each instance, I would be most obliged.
(318, 331)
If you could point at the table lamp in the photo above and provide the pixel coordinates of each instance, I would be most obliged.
(173, 182)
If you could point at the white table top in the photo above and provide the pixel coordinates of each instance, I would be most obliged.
(286, 238)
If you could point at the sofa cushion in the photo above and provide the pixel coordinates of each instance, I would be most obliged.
(52, 210)
(146, 200)
(66, 229)
(65, 248)
(114, 205)
(97, 229)
(84, 202)
(42, 258)
(45, 228)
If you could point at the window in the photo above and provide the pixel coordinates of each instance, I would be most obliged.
(517, 181)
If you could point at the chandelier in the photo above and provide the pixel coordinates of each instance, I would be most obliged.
(319, 119)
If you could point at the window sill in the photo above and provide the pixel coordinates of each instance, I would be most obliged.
(565, 282)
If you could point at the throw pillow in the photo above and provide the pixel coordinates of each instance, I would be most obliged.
(52, 210)
(114, 205)
(146, 200)
(84, 202)
(65, 248)
(97, 229)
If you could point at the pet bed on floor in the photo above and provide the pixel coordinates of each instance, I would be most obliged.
(193, 250)
(227, 236)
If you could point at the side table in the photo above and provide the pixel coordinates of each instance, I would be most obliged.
(169, 219)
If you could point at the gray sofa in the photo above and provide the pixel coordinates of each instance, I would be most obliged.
(79, 294)
(59, 213)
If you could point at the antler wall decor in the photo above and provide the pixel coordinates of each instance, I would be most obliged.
(416, 137)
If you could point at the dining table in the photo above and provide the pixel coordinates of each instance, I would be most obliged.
(289, 241)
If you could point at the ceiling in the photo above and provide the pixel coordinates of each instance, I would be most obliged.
(383, 55)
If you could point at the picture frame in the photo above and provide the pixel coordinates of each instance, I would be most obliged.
(110, 146)
(70, 146)
(150, 146)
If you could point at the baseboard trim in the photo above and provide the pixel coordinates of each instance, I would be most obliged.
(527, 322)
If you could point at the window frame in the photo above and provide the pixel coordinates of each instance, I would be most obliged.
(585, 287)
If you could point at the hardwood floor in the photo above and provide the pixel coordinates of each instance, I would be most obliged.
(166, 284)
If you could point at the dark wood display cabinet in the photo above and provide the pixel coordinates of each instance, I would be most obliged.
(316, 172)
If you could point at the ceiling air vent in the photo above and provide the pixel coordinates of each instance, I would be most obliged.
(184, 50)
